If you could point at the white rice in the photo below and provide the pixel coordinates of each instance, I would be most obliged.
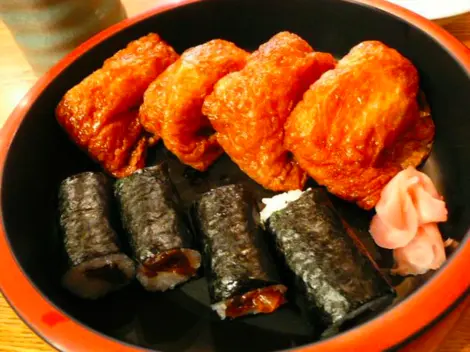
(277, 203)
(77, 282)
(163, 280)
(220, 309)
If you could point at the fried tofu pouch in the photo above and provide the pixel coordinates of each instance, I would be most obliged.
(248, 108)
(360, 124)
(100, 114)
(172, 103)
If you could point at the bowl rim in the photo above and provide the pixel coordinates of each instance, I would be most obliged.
(65, 333)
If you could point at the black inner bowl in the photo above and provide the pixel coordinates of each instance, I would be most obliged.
(41, 156)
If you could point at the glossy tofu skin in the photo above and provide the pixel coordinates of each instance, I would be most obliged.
(173, 102)
(360, 124)
(100, 114)
(248, 108)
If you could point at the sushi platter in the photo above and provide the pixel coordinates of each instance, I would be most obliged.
(246, 181)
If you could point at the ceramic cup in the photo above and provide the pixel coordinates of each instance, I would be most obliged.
(46, 30)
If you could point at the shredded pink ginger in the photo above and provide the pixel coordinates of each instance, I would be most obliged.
(406, 221)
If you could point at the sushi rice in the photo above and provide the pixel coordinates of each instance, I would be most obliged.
(167, 278)
(278, 202)
(260, 301)
(96, 263)
(160, 239)
(117, 270)
(336, 283)
(242, 276)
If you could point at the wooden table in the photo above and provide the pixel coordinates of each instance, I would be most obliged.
(16, 77)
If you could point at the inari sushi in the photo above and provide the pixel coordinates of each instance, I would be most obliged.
(338, 283)
(96, 264)
(241, 276)
(159, 237)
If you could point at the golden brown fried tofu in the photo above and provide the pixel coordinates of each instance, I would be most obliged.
(100, 113)
(360, 124)
(248, 108)
(172, 103)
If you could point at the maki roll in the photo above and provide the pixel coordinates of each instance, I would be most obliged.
(96, 264)
(241, 276)
(337, 281)
(160, 239)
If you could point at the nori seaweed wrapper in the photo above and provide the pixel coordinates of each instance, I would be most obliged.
(336, 280)
(96, 263)
(159, 235)
(235, 258)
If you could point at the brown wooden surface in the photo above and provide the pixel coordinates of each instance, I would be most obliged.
(16, 77)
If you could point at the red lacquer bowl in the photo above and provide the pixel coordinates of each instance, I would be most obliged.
(36, 155)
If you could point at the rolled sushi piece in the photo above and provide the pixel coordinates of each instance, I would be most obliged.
(159, 235)
(241, 276)
(337, 281)
(97, 265)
